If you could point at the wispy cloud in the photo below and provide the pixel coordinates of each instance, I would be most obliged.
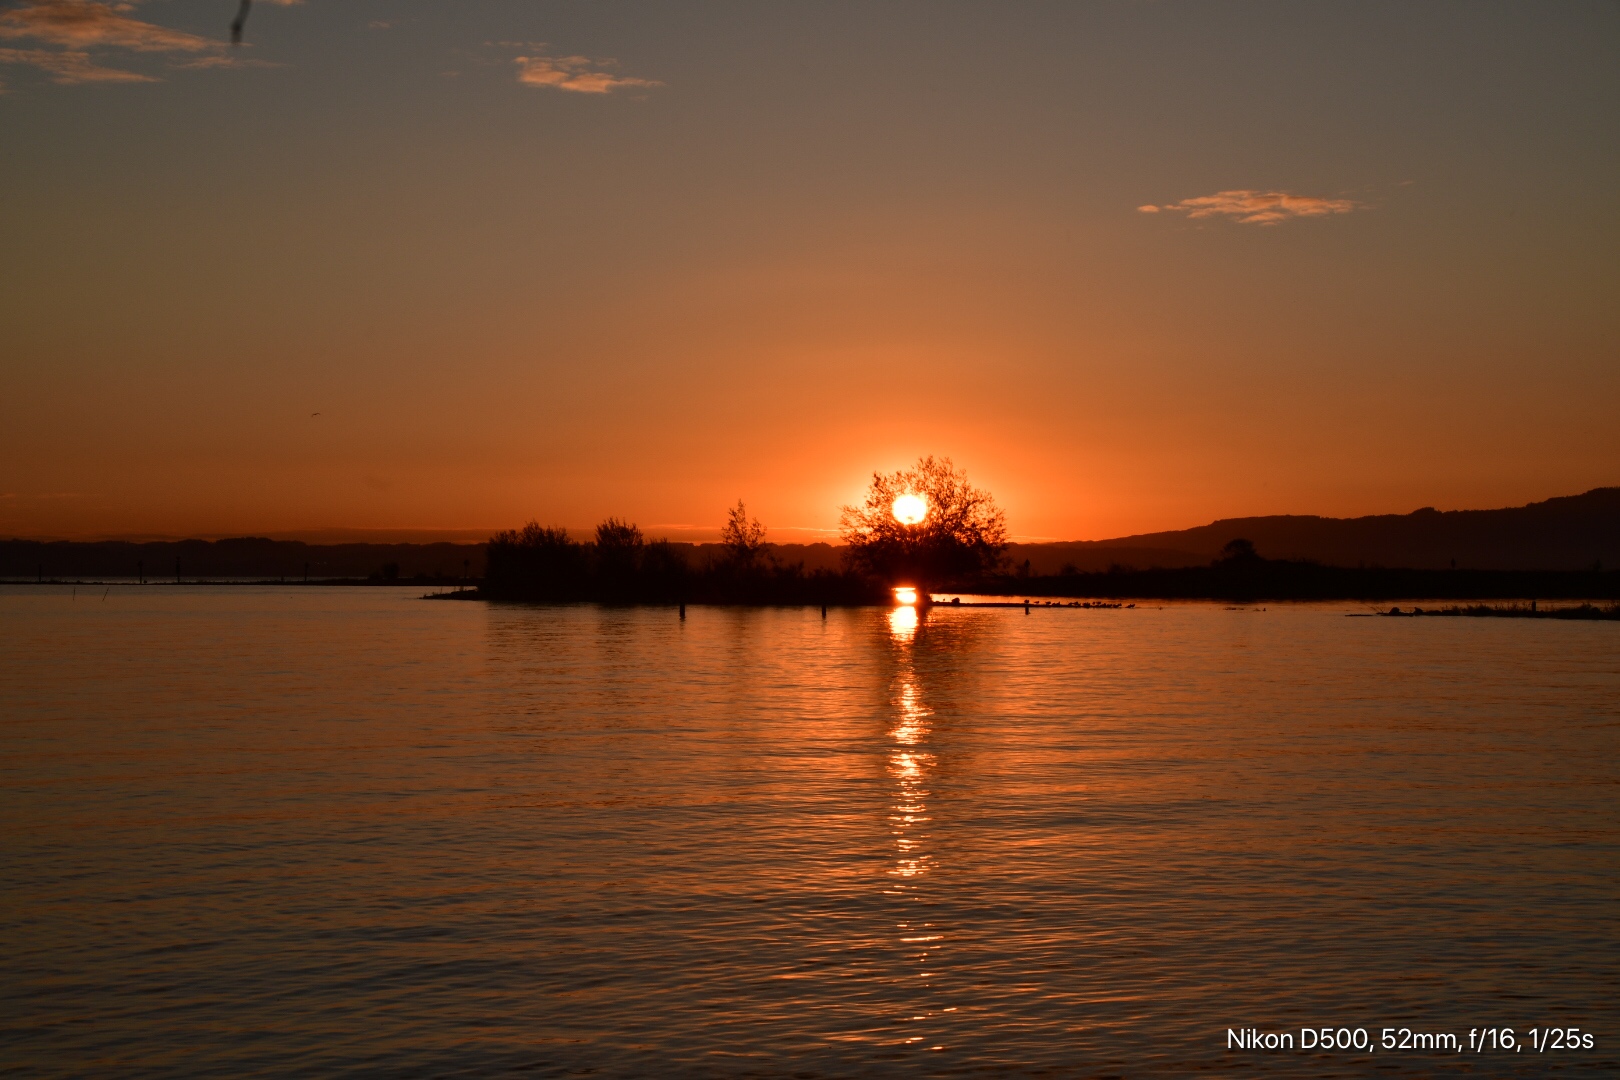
(222, 60)
(77, 26)
(70, 66)
(81, 24)
(1256, 207)
(575, 73)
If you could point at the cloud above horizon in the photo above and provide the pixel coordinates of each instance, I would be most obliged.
(83, 24)
(70, 67)
(75, 27)
(1249, 207)
(574, 73)
(79, 25)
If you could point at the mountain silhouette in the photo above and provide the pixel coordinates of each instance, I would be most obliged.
(1574, 532)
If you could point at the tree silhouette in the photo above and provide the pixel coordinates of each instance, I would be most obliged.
(619, 547)
(743, 536)
(1238, 551)
(615, 536)
(962, 534)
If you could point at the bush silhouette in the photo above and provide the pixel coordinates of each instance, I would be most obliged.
(536, 561)
(620, 566)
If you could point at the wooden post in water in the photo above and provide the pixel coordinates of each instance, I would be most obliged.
(683, 611)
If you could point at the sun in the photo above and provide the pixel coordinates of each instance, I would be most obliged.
(910, 509)
(905, 595)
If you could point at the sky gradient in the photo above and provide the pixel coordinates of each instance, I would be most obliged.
(1134, 266)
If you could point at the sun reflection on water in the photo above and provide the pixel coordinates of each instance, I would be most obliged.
(910, 762)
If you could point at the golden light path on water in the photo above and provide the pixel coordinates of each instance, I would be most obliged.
(909, 765)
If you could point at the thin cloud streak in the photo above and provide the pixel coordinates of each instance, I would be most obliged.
(206, 62)
(71, 67)
(1250, 207)
(574, 73)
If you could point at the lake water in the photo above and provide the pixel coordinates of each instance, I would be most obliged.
(309, 831)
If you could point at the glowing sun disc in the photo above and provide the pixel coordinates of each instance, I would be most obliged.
(905, 595)
(910, 509)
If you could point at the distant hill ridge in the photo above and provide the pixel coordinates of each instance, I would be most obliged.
(1573, 532)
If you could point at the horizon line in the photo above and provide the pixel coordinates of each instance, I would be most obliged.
(422, 534)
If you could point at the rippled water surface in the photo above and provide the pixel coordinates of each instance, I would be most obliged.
(309, 831)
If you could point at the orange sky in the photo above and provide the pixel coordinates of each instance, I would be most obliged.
(565, 261)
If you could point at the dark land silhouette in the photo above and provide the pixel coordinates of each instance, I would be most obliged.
(1563, 548)
(1576, 532)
